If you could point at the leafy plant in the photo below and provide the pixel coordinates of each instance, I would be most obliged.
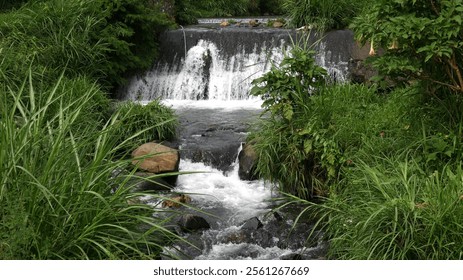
(395, 210)
(289, 86)
(422, 41)
(291, 150)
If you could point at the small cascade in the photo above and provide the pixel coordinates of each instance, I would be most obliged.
(221, 64)
(242, 224)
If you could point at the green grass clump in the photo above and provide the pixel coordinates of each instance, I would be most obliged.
(58, 197)
(151, 122)
(396, 210)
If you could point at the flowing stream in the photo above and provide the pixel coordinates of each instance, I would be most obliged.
(205, 74)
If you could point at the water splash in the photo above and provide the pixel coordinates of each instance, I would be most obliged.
(206, 74)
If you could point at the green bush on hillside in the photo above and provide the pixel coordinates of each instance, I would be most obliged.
(422, 41)
(104, 40)
(322, 14)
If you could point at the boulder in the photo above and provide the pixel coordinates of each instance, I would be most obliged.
(190, 222)
(247, 163)
(156, 158)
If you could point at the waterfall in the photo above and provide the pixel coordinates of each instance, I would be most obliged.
(220, 65)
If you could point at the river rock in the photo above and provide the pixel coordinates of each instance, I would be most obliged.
(176, 201)
(278, 24)
(156, 158)
(252, 224)
(247, 163)
(190, 222)
(145, 181)
(254, 22)
(224, 23)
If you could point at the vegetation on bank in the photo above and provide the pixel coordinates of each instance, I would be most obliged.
(380, 166)
(188, 11)
(62, 142)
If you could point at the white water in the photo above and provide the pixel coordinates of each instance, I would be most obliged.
(234, 202)
(207, 74)
(213, 190)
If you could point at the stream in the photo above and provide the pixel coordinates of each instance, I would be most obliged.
(242, 224)
(205, 75)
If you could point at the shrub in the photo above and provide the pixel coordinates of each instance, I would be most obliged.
(105, 40)
(322, 14)
(422, 41)
(287, 146)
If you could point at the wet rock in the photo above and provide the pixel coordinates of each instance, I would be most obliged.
(145, 181)
(291, 256)
(252, 224)
(236, 238)
(190, 222)
(176, 201)
(247, 163)
(220, 156)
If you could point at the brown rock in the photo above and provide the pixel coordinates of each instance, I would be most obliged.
(278, 24)
(156, 158)
(224, 23)
(254, 22)
(176, 202)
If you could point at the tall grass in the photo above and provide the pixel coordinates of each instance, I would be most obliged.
(397, 210)
(150, 122)
(58, 197)
(322, 14)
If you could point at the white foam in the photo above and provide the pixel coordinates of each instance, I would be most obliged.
(211, 188)
(243, 251)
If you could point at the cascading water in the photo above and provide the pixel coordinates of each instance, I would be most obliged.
(206, 74)
(221, 65)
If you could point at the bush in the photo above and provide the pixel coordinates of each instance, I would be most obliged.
(104, 40)
(286, 145)
(422, 41)
(399, 179)
(188, 11)
(322, 14)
